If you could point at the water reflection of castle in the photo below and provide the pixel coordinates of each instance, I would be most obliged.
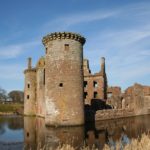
(37, 135)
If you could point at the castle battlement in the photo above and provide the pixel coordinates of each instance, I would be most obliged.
(63, 35)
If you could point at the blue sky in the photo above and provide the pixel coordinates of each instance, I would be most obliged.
(114, 29)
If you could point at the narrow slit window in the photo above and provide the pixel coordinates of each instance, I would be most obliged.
(44, 77)
(85, 84)
(27, 134)
(28, 85)
(28, 96)
(46, 50)
(66, 47)
(60, 84)
(95, 94)
(85, 95)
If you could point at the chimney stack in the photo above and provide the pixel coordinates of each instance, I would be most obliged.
(103, 65)
(29, 63)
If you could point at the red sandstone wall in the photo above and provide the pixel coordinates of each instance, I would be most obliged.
(90, 88)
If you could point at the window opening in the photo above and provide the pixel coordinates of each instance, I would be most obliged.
(95, 94)
(85, 95)
(66, 47)
(85, 84)
(46, 51)
(95, 84)
(44, 77)
(28, 96)
(60, 84)
(27, 134)
(28, 85)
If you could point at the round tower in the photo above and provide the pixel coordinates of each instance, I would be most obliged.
(30, 90)
(64, 78)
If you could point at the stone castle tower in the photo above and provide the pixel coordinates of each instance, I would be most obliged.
(30, 90)
(61, 82)
(64, 79)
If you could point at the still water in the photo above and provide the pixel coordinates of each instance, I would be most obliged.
(17, 133)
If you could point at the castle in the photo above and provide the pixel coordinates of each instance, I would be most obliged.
(61, 82)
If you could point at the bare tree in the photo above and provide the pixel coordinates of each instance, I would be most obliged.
(16, 96)
(3, 94)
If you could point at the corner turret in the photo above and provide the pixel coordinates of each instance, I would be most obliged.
(30, 90)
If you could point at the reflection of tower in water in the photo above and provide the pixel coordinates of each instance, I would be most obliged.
(29, 133)
(73, 136)
(36, 135)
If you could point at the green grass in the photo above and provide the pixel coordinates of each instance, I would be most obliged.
(10, 108)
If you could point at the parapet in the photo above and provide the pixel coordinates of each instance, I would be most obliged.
(63, 35)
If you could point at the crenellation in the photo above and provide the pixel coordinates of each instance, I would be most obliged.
(63, 35)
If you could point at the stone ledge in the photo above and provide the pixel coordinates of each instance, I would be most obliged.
(63, 35)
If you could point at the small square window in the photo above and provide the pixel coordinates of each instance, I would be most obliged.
(60, 84)
(66, 47)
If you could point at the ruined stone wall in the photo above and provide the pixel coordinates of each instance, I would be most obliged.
(113, 113)
(93, 88)
(95, 85)
(137, 97)
(64, 79)
(114, 97)
(40, 94)
(146, 90)
(30, 92)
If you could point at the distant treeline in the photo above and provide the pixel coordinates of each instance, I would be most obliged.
(13, 96)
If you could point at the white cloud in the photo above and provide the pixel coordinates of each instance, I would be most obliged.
(64, 22)
(14, 50)
(87, 17)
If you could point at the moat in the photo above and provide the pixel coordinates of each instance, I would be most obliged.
(29, 132)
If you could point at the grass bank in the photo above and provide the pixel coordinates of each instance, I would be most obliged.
(11, 108)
